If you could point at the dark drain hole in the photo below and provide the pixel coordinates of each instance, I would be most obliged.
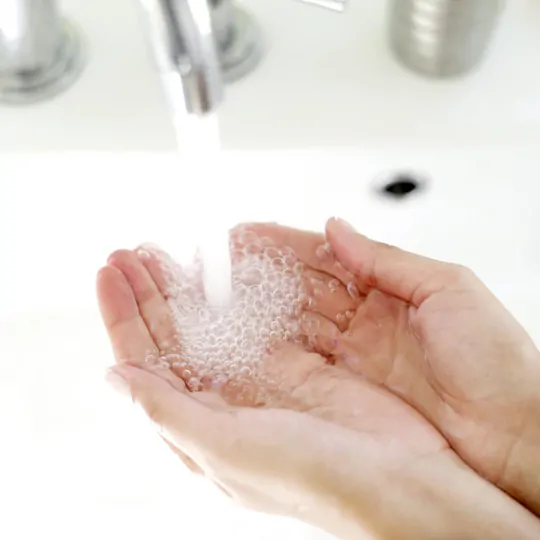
(401, 185)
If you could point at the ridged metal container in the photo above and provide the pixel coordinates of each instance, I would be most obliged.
(442, 38)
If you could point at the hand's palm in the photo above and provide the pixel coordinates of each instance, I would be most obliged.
(428, 356)
(140, 326)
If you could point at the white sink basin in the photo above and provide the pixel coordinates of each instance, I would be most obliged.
(328, 80)
(77, 454)
(62, 214)
(75, 443)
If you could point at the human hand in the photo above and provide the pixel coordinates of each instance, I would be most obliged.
(338, 452)
(285, 459)
(434, 335)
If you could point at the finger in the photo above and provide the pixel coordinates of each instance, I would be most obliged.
(127, 332)
(161, 267)
(172, 279)
(329, 298)
(188, 424)
(309, 247)
(389, 269)
(153, 307)
(174, 375)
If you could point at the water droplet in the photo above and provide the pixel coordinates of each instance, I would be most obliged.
(245, 372)
(194, 385)
(324, 252)
(353, 291)
(340, 318)
(333, 285)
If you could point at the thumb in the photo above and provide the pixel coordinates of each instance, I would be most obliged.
(181, 419)
(389, 269)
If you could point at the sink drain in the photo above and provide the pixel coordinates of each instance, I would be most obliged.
(401, 185)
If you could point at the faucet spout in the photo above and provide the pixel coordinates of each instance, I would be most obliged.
(186, 52)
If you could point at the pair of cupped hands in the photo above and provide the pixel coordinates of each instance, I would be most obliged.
(417, 416)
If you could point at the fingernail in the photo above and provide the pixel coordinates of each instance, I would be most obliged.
(117, 382)
(142, 254)
(345, 225)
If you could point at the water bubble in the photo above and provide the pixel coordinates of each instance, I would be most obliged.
(266, 242)
(272, 252)
(248, 237)
(333, 285)
(323, 252)
(218, 382)
(194, 385)
(251, 249)
(225, 346)
(245, 371)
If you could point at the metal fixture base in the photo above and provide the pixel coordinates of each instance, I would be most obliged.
(22, 88)
(245, 49)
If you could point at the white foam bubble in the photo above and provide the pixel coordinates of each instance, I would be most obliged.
(227, 341)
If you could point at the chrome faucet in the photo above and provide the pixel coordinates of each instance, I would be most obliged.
(198, 44)
(186, 51)
(40, 53)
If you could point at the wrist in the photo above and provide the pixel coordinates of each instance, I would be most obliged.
(521, 476)
(436, 498)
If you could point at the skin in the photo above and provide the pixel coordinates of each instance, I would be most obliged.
(433, 334)
(276, 458)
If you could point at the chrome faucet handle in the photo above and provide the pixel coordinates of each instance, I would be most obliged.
(41, 53)
(186, 52)
(332, 5)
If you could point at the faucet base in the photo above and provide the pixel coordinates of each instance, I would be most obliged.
(243, 51)
(26, 87)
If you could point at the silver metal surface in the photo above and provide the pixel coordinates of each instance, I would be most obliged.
(333, 5)
(198, 45)
(41, 54)
(243, 49)
(186, 53)
(442, 38)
